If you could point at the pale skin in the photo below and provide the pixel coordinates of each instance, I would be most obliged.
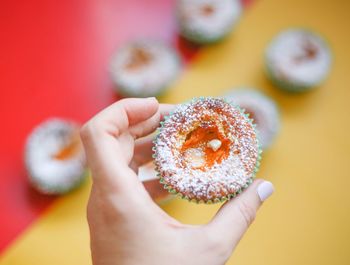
(126, 226)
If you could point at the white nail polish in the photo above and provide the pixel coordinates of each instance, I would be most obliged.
(264, 190)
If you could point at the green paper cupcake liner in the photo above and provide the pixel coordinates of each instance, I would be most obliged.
(202, 39)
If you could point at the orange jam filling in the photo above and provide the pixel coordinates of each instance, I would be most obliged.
(207, 10)
(69, 151)
(199, 139)
(139, 58)
(310, 52)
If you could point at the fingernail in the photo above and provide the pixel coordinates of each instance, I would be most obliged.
(265, 189)
(151, 98)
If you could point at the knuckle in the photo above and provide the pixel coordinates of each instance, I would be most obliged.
(247, 213)
(88, 130)
(85, 131)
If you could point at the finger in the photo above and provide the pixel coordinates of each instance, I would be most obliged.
(149, 125)
(125, 113)
(235, 216)
(107, 160)
(99, 133)
(108, 157)
(143, 151)
(143, 146)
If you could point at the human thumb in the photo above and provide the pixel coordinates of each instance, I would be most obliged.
(235, 216)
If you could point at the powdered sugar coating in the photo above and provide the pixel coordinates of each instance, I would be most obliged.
(207, 20)
(220, 181)
(149, 79)
(299, 58)
(47, 174)
(264, 112)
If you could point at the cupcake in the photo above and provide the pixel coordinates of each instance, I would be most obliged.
(261, 109)
(149, 178)
(297, 60)
(206, 151)
(54, 157)
(207, 21)
(144, 68)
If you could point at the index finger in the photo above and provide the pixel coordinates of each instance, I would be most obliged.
(109, 147)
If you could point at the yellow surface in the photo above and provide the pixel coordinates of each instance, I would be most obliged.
(307, 221)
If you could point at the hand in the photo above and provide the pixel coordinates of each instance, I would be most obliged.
(126, 226)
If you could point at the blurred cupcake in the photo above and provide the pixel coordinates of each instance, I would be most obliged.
(262, 109)
(207, 21)
(298, 60)
(54, 157)
(144, 68)
(206, 151)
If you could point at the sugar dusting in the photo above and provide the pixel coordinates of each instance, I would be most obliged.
(299, 56)
(210, 19)
(49, 174)
(221, 180)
